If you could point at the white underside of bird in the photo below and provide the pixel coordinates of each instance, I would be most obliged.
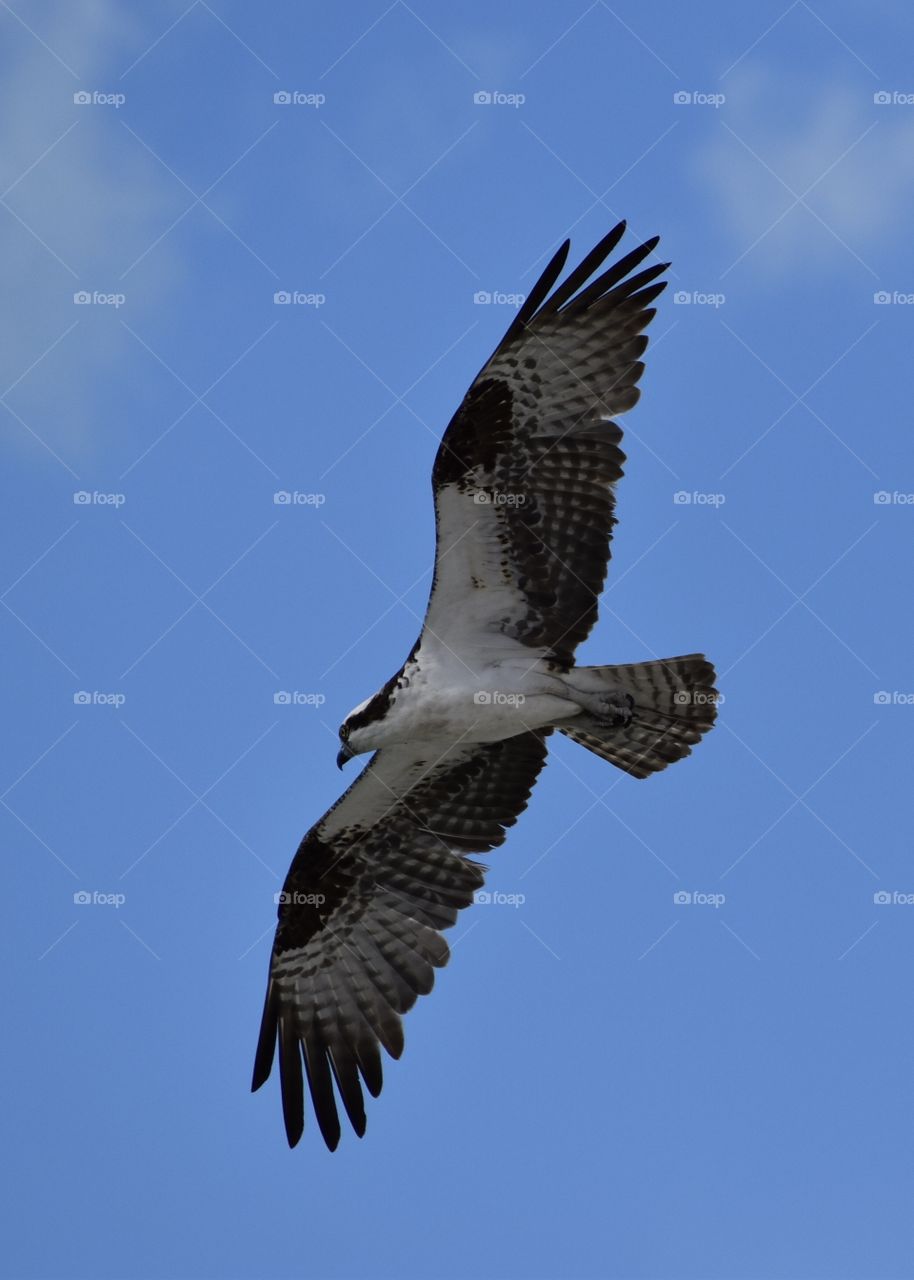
(446, 701)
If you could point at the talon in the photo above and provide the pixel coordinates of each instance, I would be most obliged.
(615, 710)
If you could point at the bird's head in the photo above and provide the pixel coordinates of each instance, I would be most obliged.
(347, 750)
(355, 733)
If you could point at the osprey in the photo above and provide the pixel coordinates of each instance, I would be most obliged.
(524, 488)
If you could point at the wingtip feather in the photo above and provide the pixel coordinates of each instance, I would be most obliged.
(290, 1074)
(266, 1043)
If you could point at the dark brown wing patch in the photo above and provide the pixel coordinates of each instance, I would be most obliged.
(480, 434)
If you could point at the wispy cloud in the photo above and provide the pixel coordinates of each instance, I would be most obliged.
(800, 180)
(79, 201)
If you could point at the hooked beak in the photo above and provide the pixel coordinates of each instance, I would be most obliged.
(345, 753)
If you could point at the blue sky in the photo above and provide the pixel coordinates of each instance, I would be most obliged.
(605, 1083)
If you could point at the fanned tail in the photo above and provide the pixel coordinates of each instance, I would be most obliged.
(674, 703)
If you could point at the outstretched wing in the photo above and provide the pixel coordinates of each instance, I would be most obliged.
(369, 890)
(524, 476)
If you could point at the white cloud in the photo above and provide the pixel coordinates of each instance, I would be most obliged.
(865, 152)
(96, 200)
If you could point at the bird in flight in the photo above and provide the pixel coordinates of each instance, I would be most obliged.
(524, 488)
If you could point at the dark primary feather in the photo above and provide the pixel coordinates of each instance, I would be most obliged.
(369, 890)
(539, 291)
(536, 425)
(584, 270)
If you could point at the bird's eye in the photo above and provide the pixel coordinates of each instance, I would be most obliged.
(344, 732)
